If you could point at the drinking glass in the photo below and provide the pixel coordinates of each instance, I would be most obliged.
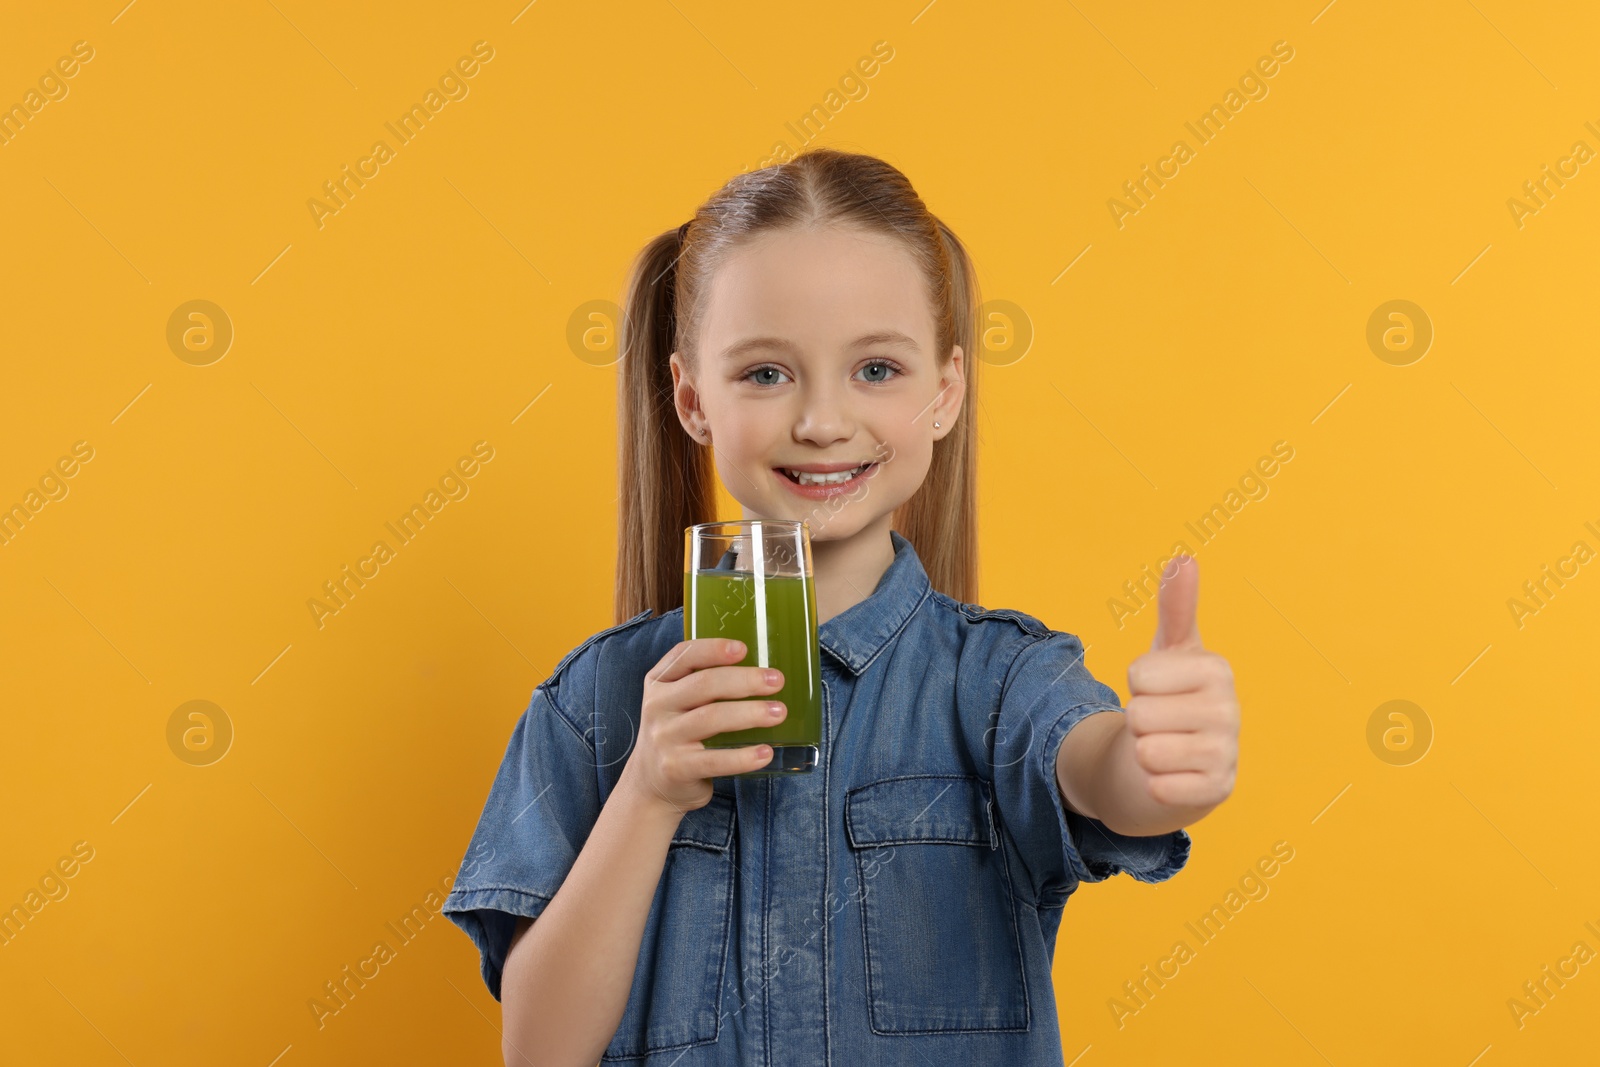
(751, 580)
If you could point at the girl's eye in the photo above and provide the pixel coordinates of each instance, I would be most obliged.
(750, 375)
(882, 364)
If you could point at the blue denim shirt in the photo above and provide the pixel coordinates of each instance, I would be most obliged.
(898, 905)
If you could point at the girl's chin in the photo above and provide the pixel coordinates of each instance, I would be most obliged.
(826, 525)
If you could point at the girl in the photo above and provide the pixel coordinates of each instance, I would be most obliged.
(899, 904)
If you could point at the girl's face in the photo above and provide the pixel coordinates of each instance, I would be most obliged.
(816, 352)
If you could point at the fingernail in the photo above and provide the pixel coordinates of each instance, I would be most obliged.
(775, 709)
(772, 676)
(763, 752)
(735, 648)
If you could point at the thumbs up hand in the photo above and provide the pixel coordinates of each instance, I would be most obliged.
(1182, 712)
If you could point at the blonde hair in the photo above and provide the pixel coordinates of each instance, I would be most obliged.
(667, 479)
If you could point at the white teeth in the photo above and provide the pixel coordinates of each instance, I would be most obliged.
(805, 478)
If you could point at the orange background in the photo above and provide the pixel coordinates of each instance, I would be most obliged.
(371, 352)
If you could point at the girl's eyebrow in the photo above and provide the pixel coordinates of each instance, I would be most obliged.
(893, 338)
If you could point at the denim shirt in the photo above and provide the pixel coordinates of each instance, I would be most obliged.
(897, 905)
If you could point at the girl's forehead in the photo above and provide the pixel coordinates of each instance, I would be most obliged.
(815, 286)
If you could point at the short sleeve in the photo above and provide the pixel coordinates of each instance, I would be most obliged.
(1047, 691)
(541, 807)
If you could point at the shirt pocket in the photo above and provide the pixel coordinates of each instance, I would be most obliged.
(943, 951)
(675, 999)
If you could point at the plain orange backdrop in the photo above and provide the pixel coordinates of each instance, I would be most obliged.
(434, 311)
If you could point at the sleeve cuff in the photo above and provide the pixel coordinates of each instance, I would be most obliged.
(1094, 852)
(489, 915)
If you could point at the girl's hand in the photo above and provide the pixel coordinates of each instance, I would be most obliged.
(691, 694)
(1182, 710)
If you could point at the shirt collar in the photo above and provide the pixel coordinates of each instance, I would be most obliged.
(856, 635)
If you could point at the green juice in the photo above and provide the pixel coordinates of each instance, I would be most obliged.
(725, 604)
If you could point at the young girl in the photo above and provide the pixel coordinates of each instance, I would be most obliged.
(899, 904)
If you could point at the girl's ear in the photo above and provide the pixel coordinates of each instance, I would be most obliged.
(686, 399)
(952, 389)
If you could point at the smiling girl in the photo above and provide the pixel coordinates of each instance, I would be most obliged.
(807, 338)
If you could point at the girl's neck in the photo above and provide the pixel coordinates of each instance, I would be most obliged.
(848, 570)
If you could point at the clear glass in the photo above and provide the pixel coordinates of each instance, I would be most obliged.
(751, 580)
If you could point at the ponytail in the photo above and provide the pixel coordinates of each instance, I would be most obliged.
(666, 480)
(941, 518)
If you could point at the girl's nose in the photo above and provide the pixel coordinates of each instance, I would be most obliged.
(824, 419)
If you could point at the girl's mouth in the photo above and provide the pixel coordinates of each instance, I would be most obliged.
(822, 486)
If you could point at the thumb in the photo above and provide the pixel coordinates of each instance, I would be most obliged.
(1177, 604)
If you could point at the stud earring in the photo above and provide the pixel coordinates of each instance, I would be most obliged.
(936, 426)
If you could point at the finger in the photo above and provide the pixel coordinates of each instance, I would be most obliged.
(1176, 670)
(1178, 600)
(1179, 713)
(689, 656)
(721, 762)
(721, 683)
(726, 717)
(1190, 789)
(1170, 753)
